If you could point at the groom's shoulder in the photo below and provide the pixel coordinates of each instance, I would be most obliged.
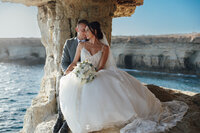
(70, 41)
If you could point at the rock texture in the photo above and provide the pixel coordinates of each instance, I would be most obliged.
(170, 53)
(27, 51)
(190, 122)
(126, 7)
(57, 21)
(121, 8)
(29, 2)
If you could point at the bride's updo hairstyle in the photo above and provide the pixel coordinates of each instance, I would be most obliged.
(95, 26)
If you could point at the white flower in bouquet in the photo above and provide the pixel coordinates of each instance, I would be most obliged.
(85, 71)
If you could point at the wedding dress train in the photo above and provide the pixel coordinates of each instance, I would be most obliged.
(114, 98)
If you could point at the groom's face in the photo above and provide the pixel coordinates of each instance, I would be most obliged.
(80, 29)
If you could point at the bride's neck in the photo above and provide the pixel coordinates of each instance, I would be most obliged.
(93, 40)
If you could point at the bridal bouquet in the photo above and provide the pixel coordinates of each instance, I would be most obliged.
(85, 71)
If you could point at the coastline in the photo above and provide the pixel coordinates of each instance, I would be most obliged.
(178, 53)
(175, 53)
(36, 119)
(24, 51)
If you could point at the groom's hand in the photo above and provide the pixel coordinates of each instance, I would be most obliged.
(67, 72)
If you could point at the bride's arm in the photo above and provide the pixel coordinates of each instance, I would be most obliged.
(76, 59)
(104, 57)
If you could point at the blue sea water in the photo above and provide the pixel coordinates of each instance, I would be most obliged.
(179, 81)
(20, 84)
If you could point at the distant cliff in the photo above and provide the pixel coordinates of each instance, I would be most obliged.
(27, 51)
(170, 53)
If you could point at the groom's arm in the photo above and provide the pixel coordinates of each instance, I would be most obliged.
(76, 58)
(65, 60)
(104, 57)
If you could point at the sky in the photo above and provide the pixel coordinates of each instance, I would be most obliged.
(154, 17)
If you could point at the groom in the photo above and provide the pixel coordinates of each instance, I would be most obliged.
(68, 54)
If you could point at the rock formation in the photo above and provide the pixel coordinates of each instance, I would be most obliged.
(133, 52)
(170, 53)
(27, 51)
(57, 20)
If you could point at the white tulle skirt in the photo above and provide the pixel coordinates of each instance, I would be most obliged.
(114, 98)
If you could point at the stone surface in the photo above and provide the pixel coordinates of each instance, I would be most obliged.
(57, 21)
(122, 8)
(126, 7)
(160, 93)
(191, 120)
(42, 107)
(196, 99)
(170, 53)
(47, 125)
(29, 2)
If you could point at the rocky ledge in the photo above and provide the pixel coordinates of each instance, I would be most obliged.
(169, 53)
(189, 124)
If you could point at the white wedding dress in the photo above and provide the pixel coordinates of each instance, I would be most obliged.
(114, 98)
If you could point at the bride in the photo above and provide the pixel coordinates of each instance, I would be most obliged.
(113, 98)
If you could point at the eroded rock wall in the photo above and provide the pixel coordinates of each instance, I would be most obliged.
(170, 53)
(28, 51)
(57, 22)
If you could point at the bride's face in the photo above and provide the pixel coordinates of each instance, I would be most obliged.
(89, 34)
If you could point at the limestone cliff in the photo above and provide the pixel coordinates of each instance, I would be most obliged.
(171, 53)
(28, 51)
(57, 21)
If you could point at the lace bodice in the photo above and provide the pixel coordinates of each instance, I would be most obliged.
(94, 59)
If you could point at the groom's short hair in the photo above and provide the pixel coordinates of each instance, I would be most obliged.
(82, 21)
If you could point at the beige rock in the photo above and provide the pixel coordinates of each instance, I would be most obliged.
(170, 53)
(57, 21)
(28, 51)
(122, 7)
(47, 125)
(29, 2)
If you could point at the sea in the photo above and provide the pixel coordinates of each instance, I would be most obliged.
(19, 84)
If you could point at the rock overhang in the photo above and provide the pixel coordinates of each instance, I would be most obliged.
(122, 8)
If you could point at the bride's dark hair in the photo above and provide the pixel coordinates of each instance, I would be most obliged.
(96, 26)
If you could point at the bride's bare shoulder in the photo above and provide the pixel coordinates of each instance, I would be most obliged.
(105, 47)
(103, 44)
(82, 44)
